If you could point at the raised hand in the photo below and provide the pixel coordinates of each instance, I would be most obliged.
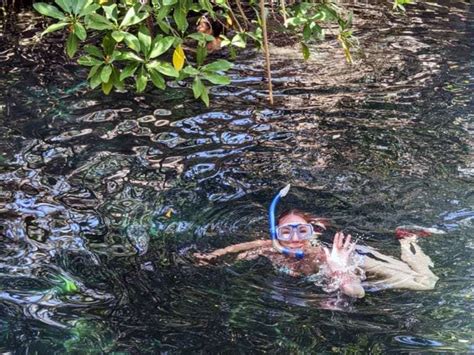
(338, 258)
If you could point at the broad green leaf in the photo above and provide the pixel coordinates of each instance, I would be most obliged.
(161, 46)
(191, 71)
(216, 78)
(118, 36)
(116, 55)
(95, 80)
(205, 96)
(178, 58)
(201, 37)
(65, 5)
(93, 71)
(89, 61)
(54, 27)
(142, 80)
(132, 41)
(115, 77)
(98, 22)
(128, 71)
(87, 10)
(201, 54)
(157, 79)
(179, 16)
(132, 18)
(169, 2)
(218, 65)
(49, 10)
(206, 5)
(108, 44)
(93, 50)
(78, 5)
(107, 87)
(131, 56)
(198, 87)
(80, 31)
(145, 40)
(164, 26)
(71, 45)
(105, 73)
(164, 68)
(305, 50)
(111, 12)
(239, 41)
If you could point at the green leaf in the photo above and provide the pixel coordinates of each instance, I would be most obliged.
(93, 50)
(128, 71)
(132, 41)
(108, 44)
(54, 27)
(179, 16)
(157, 79)
(132, 18)
(87, 10)
(118, 36)
(161, 46)
(191, 71)
(95, 80)
(79, 4)
(164, 68)
(49, 10)
(198, 87)
(105, 73)
(239, 41)
(305, 50)
(142, 80)
(80, 31)
(169, 2)
(65, 5)
(115, 77)
(218, 65)
(98, 22)
(107, 87)
(93, 71)
(145, 40)
(205, 96)
(89, 61)
(201, 37)
(216, 78)
(201, 54)
(111, 12)
(131, 56)
(71, 45)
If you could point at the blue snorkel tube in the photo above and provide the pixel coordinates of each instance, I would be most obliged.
(297, 253)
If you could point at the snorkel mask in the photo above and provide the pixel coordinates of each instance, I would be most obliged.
(297, 253)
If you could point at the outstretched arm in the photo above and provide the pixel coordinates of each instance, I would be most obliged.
(232, 249)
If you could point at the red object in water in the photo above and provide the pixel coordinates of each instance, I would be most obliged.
(404, 232)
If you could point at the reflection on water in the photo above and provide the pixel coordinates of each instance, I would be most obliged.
(103, 199)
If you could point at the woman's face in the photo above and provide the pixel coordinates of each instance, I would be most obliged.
(294, 242)
(204, 27)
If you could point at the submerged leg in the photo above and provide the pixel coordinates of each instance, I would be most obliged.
(412, 254)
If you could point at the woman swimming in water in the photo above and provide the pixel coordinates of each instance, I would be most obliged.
(350, 268)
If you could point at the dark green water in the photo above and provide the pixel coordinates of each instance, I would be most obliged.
(87, 183)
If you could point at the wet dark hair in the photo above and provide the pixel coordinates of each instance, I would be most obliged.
(308, 217)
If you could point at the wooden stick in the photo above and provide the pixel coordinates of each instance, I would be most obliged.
(266, 49)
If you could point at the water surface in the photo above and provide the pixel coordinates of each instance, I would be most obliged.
(103, 200)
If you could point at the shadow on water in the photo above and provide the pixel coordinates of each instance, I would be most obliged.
(104, 199)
